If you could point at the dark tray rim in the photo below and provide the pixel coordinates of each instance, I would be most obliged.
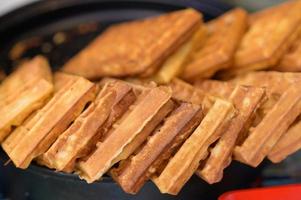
(37, 8)
(47, 172)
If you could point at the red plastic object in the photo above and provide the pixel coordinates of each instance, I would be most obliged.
(287, 192)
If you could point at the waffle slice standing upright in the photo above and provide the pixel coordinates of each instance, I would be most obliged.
(112, 101)
(128, 133)
(246, 100)
(25, 90)
(41, 129)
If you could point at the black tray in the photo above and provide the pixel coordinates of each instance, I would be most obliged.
(39, 183)
(43, 20)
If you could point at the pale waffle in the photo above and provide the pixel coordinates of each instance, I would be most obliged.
(246, 100)
(269, 37)
(137, 169)
(224, 35)
(22, 92)
(277, 116)
(41, 129)
(137, 47)
(128, 133)
(72, 144)
(195, 149)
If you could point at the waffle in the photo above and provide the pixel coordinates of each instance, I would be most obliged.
(186, 160)
(268, 132)
(137, 169)
(259, 48)
(128, 133)
(277, 85)
(224, 35)
(246, 100)
(24, 77)
(150, 125)
(143, 45)
(270, 11)
(275, 82)
(186, 92)
(173, 66)
(278, 113)
(215, 88)
(24, 91)
(111, 102)
(287, 145)
(40, 130)
(181, 91)
(291, 61)
(62, 79)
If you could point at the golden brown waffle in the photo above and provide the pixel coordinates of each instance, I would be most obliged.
(291, 61)
(277, 84)
(287, 145)
(276, 115)
(215, 88)
(185, 92)
(71, 145)
(269, 36)
(273, 125)
(61, 79)
(24, 77)
(137, 169)
(246, 100)
(174, 64)
(186, 160)
(181, 91)
(136, 47)
(137, 130)
(141, 84)
(24, 91)
(270, 10)
(224, 35)
(128, 133)
(42, 128)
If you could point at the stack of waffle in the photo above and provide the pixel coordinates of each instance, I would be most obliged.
(136, 130)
